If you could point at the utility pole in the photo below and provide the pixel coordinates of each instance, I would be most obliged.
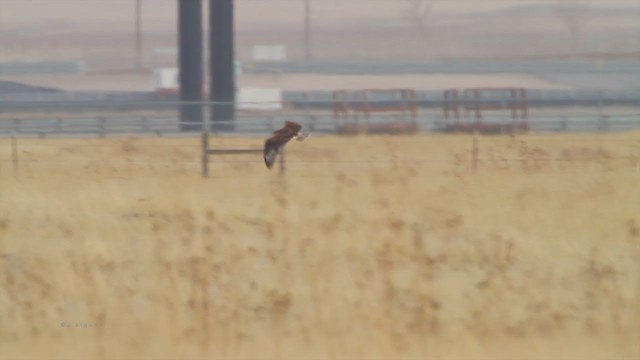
(221, 68)
(574, 14)
(138, 40)
(307, 30)
(190, 62)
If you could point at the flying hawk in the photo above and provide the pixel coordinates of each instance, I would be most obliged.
(280, 138)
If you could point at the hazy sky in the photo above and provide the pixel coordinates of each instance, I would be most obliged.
(38, 28)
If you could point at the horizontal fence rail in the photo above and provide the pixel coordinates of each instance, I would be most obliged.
(262, 124)
(112, 114)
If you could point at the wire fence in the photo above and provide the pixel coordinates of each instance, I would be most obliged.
(469, 150)
(261, 124)
(115, 158)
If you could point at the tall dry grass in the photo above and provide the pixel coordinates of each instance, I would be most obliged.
(369, 248)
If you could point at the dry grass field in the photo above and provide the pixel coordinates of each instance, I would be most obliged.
(370, 247)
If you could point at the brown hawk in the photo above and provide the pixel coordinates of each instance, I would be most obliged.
(274, 144)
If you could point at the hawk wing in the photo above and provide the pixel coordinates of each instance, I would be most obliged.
(272, 147)
(290, 129)
(274, 144)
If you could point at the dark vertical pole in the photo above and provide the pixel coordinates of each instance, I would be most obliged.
(525, 103)
(190, 60)
(221, 71)
(205, 154)
(14, 153)
(474, 151)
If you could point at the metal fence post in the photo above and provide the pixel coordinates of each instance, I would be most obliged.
(474, 152)
(307, 111)
(14, 153)
(205, 154)
(603, 123)
(102, 126)
(145, 124)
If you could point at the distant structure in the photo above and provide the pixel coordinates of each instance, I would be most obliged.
(167, 82)
(574, 14)
(400, 104)
(190, 63)
(12, 87)
(477, 101)
(222, 86)
(221, 66)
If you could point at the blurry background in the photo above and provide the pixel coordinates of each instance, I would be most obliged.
(565, 52)
(101, 35)
(428, 246)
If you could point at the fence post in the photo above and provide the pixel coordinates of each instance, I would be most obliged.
(205, 155)
(403, 112)
(145, 124)
(603, 123)
(60, 126)
(14, 153)
(270, 123)
(102, 126)
(307, 110)
(474, 152)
